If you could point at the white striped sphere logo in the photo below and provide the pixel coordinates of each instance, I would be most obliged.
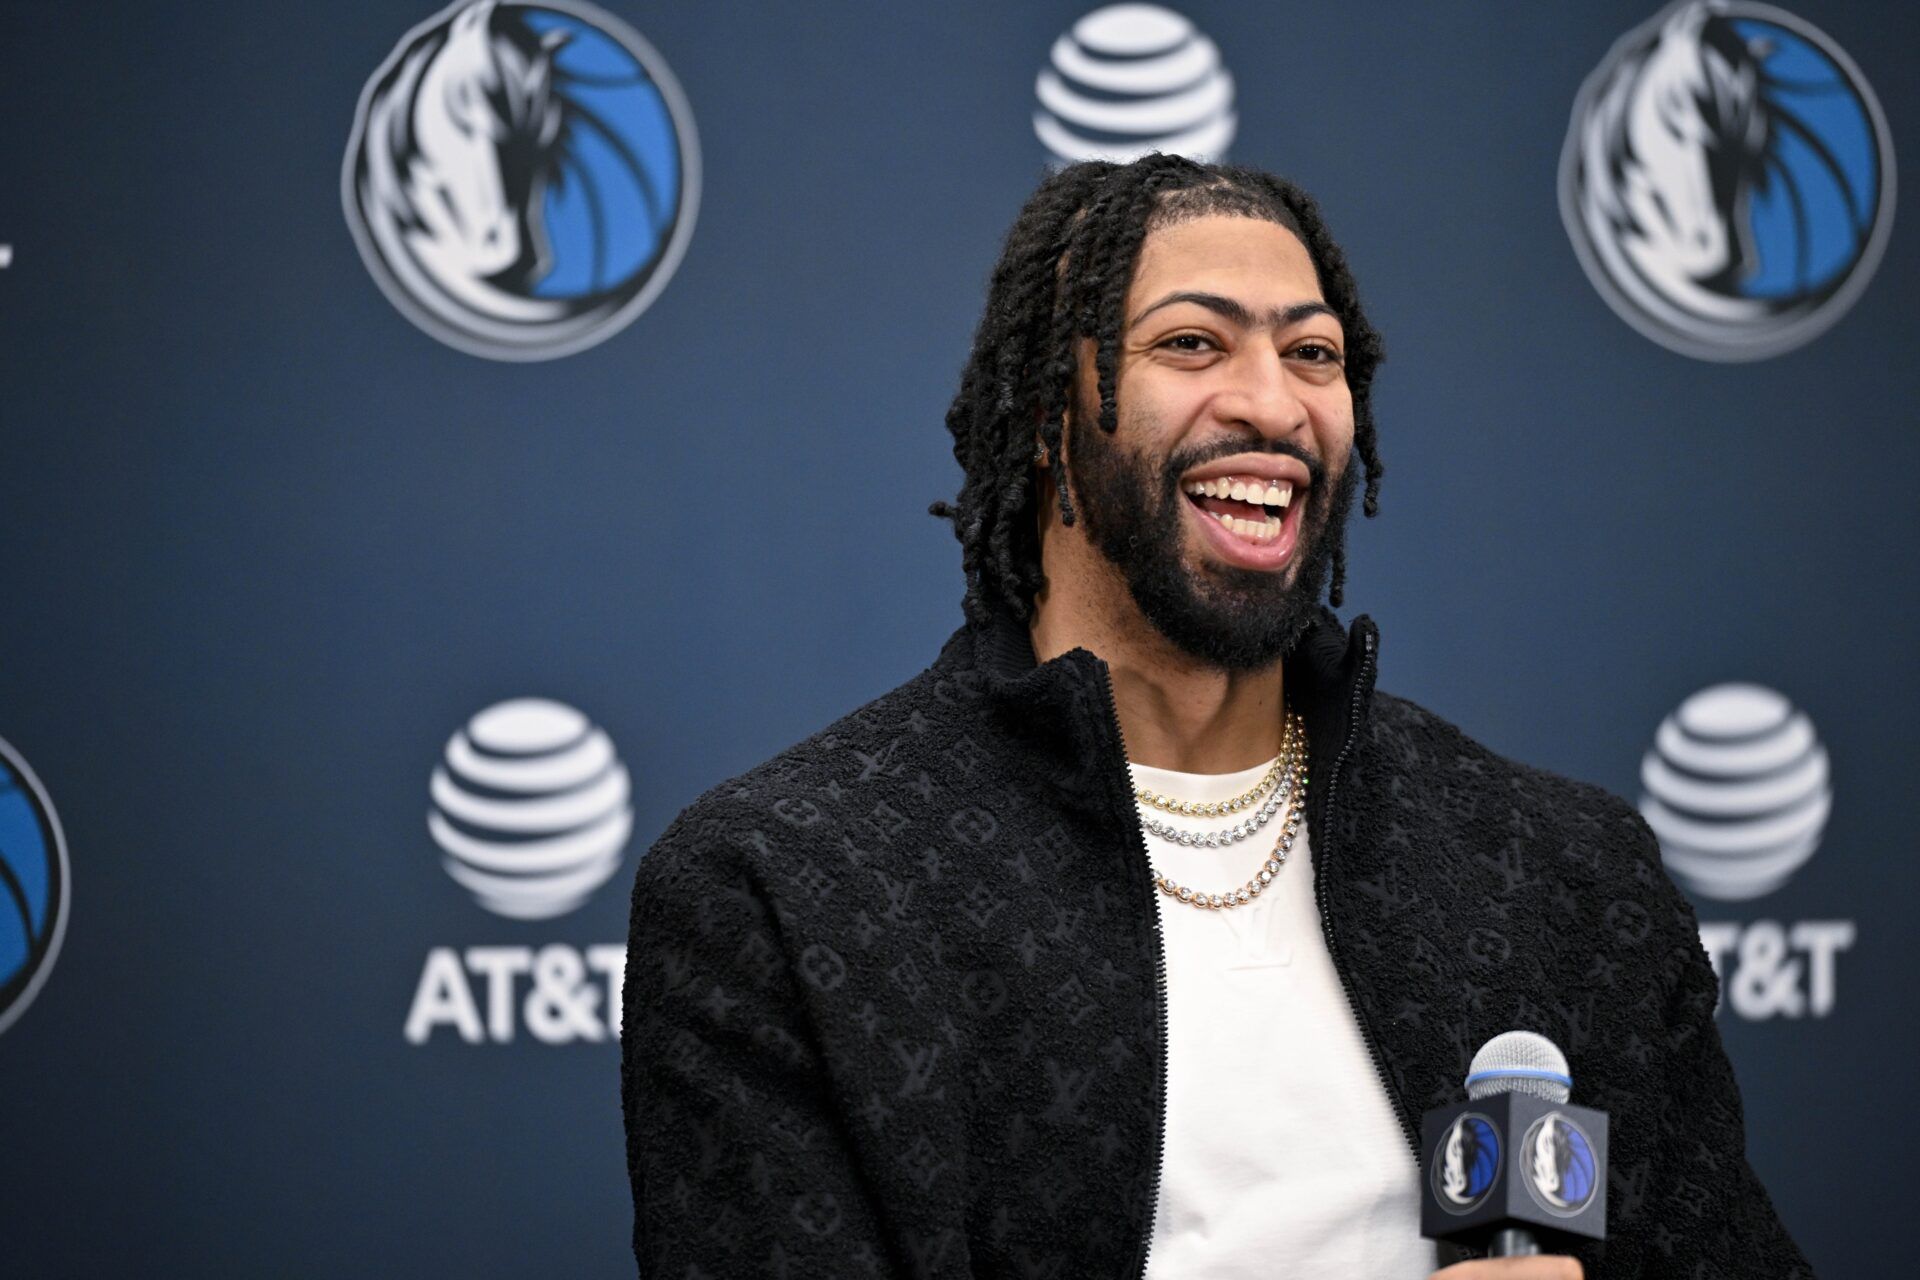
(1737, 790)
(1128, 79)
(530, 806)
(522, 177)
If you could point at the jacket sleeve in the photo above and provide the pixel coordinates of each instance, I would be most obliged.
(1713, 1218)
(739, 1163)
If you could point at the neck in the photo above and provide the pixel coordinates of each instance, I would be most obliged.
(1175, 712)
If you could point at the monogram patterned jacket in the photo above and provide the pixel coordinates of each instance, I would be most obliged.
(895, 999)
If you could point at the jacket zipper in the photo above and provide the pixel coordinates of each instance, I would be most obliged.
(1160, 970)
(1323, 844)
(1320, 899)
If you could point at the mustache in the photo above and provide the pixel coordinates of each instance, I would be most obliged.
(1178, 464)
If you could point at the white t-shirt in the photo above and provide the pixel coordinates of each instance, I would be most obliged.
(1283, 1156)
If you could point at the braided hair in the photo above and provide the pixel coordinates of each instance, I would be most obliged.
(1063, 275)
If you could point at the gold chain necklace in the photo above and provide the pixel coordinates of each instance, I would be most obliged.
(1191, 808)
(1289, 747)
(1292, 771)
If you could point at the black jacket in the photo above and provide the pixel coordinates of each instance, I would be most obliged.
(894, 1000)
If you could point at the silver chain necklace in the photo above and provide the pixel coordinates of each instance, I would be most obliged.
(1221, 839)
(1293, 784)
(1251, 889)
(1281, 770)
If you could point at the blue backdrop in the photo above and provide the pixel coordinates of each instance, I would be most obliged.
(269, 544)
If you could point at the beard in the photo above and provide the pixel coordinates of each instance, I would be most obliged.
(1226, 616)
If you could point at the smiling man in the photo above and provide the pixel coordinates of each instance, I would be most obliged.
(1132, 936)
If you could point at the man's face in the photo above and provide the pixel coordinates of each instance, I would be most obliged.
(1231, 382)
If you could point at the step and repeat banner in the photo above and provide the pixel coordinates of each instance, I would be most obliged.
(441, 443)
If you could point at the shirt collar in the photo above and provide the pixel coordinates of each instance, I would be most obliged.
(1060, 706)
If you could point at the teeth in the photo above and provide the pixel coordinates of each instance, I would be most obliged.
(1253, 530)
(1274, 494)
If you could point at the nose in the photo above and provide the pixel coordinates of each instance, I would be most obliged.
(1263, 394)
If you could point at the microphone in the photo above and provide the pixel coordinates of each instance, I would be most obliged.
(1515, 1168)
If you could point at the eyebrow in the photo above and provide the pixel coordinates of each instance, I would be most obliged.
(1234, 311)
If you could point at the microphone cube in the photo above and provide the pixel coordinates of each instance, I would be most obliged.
(1513, 1160)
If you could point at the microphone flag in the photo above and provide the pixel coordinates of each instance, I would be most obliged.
(1513, 1160)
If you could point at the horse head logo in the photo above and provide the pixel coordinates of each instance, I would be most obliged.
(1715, 189)
(459, 141)
(482, 121)
(1469, 1161)
(1561, 1169)
(511, 203)
(1454, 1177)
(1675, 148)
(1548, 1149)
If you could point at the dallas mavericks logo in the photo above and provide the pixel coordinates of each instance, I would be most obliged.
(1728, 180)
(1557, 1165)
(522, 178)
(34, 890)
(1467, 1163)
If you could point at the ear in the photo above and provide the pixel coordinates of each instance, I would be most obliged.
(1042, 456)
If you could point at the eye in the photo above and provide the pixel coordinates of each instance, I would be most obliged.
(1190, 343)
(1316, 353)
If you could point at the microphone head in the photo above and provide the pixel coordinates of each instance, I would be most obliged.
(1520, 1062)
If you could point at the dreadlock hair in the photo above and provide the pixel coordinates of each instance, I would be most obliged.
(1063, 275)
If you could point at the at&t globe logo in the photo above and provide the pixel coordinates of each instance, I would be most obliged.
(34, 890)
(1133, 78)
(1738, 790)
(522, 178)
(530, 807)
(1728, 180)
(531, 811)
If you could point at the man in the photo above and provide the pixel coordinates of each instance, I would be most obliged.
(1132, 936)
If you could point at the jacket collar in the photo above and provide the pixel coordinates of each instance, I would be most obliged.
(1063, 707)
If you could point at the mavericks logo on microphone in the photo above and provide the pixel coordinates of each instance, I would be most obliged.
(1467, 1164)
(1557, 1165)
